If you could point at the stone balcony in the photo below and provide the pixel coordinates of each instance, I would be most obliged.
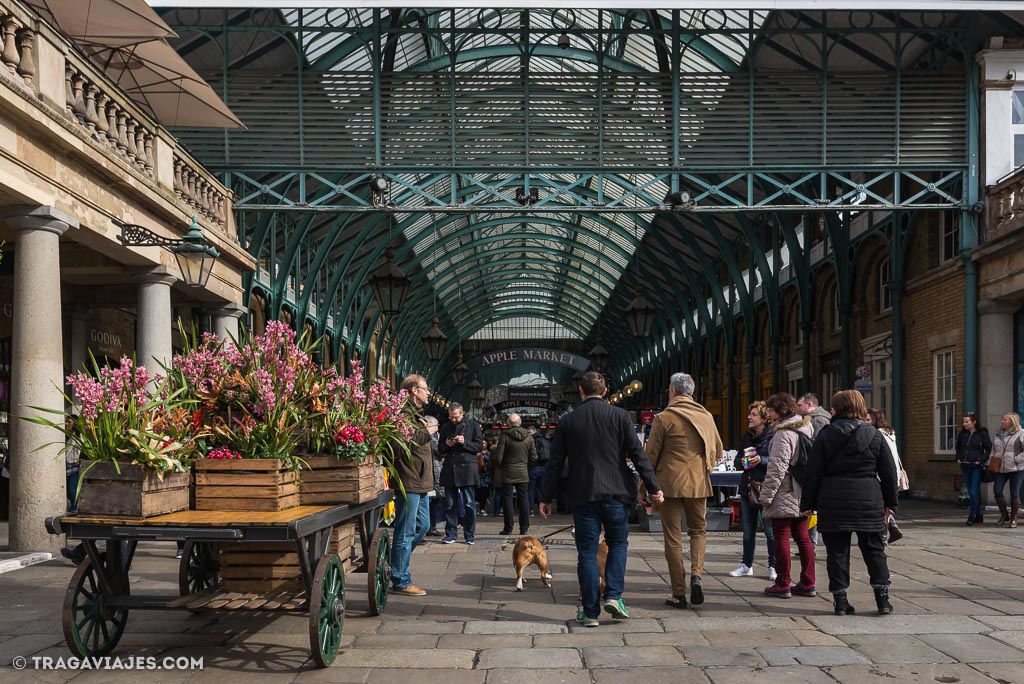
(70, 138)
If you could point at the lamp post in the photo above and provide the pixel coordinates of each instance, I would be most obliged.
(194, 254)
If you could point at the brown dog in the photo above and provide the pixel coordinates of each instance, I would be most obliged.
(526, 551)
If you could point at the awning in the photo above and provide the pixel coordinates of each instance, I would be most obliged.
(156, 77)
(104, 22)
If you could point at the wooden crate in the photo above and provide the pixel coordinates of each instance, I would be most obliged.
(333, 481)
(135, 492)
(245, 484)
(274, 566)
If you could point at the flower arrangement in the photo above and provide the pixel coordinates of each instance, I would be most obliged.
(223, 453)
(351, 444)
(127, 416)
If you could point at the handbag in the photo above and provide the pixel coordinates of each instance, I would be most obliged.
(995, 465)
(754, 493)
(895, 533)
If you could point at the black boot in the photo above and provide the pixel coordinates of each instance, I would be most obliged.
(842, 606)
(882, 599)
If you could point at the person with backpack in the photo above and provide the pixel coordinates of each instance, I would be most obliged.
(851, 481)
(538, 467)
(780, 495)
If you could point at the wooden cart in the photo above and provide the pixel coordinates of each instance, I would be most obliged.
(99, 595)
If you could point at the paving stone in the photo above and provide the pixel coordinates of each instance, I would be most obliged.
(819, 656)
(330, 675)
(632, 656)
(666, 639)
(396, 641)
(514, 627)
(481, 641)
(563, 658)
(420, 627)
(721, 656)
(518, 676)
(625, 626)
(897, 624)
(1004, 673)
(973, 648)
(953, 673)
(808, 637)
(406, 657)
(953, 606)
(26, 646)
(405, 675)
(768, 675)
(738, 638)
(895, 649)
(579, 639)
(741, 624)
(1008, 623)
(1015, 638)
(650, 675)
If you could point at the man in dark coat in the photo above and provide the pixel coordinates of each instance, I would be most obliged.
(460, 441)
(588, 470)
(514, 454)
(416, 474)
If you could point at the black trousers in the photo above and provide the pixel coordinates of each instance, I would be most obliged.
(837, 558)
(522, 491)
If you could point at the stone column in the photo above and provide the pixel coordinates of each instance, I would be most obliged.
(153, 327)
(37, 376)
(225, 320)
(995, 363)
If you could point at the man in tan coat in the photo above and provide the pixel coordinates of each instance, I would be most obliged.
(683, 448)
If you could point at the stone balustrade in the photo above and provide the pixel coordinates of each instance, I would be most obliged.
(1005, 205)
(18, 41)
(96, 109)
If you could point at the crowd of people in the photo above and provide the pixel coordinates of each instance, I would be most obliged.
(800, 463)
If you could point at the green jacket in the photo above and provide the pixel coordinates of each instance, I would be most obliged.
(514, 452)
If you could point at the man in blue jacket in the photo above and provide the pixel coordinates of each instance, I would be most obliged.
(588, 472)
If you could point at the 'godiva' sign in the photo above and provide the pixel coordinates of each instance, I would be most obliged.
(528, 355)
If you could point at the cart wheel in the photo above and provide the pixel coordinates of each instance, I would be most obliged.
(199, 568)
(378, 573)
(326, 610)
(90, 627)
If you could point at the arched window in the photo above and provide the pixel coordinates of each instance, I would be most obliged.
(884, 293)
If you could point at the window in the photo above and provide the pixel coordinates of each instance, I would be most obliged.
(881, 377)
(835, 310)
(949, 233)
(795, 378)
(829, 384)
(1017, 126)
(945, 401)
(884, 294)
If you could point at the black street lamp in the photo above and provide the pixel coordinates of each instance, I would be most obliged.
(640, 314)
(476, 390)
(390, 285)
(195, 256)
(434, 341)
(599, 357)
(461, 371)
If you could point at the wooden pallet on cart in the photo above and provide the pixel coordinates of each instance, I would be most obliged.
(334, 481)
(246, 484)
(274, 566)
(233, 600)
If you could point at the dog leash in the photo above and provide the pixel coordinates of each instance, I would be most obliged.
(559, 531)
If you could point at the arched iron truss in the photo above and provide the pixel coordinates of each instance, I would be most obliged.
(533, 175)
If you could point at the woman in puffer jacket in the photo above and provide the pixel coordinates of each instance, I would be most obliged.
(851, 481)
(780, 496)
(1007, 448)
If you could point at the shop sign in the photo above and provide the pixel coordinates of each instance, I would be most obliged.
(111, 333)
(528, 354)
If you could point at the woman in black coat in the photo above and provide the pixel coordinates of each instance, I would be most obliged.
(851, 481)
(973, 447)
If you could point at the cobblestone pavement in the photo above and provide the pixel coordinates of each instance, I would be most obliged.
(957, 593)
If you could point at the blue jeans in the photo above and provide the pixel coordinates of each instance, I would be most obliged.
(750, 515)
(589, 518)
(412, 519)
(972, 478)
(536, 483)
(1000, 479)
(451, 524)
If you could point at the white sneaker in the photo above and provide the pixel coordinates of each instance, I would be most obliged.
(772, 575)
(742, 570)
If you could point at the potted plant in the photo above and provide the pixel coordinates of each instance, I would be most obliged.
(136, 440)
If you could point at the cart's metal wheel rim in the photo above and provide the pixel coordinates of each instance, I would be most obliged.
(200, 568)
(90, 627)
(380, 571)
(327, 609)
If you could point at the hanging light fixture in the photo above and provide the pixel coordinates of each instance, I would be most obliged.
(389, 283)
(640, 313)
(476, 390)
(435, 340)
